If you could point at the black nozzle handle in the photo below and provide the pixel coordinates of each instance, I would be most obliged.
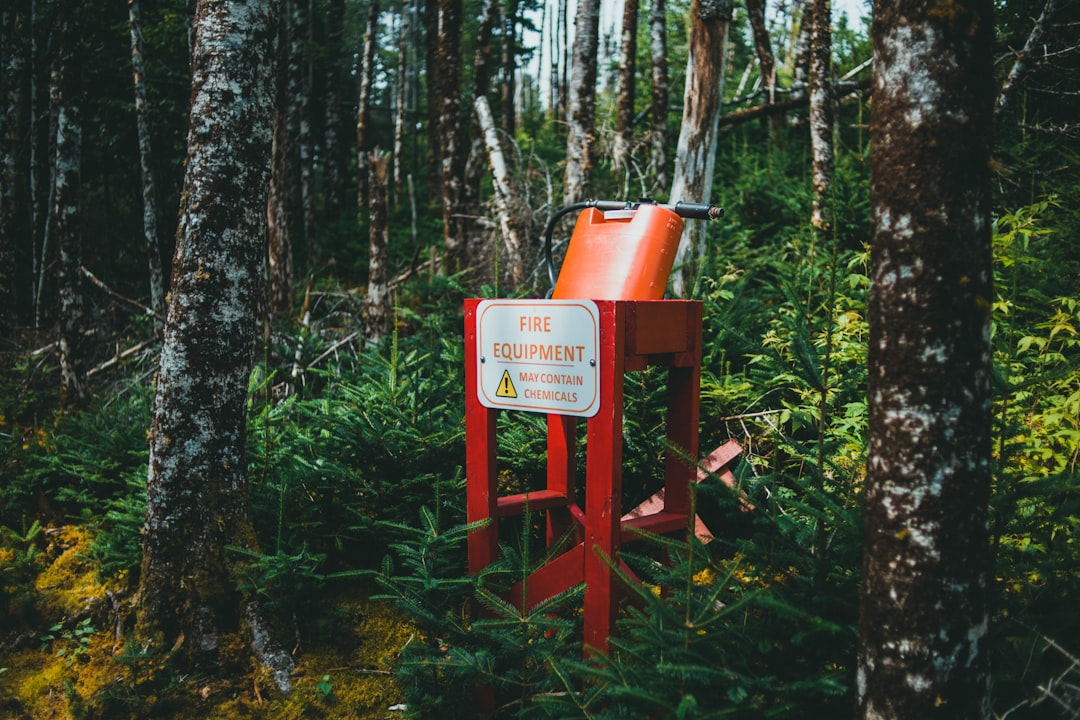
(696, 211)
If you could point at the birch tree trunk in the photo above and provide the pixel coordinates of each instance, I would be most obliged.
(378, 293)
(197, 502)
(582, 112)
(505, 203)
(65, 219)
(821, 114)
(658, 160)
(923, 626)
(624, 113)
(363, 105)
(401, 96)
(149, 194)
(695, 155)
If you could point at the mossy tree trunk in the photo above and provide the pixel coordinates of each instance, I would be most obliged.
(197, 501)
(923, 626)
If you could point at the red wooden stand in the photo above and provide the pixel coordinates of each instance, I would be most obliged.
(634, 334)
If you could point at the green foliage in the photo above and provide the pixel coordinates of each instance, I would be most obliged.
(1035, 509)
(74, 640)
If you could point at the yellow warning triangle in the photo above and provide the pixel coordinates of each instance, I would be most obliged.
(506, 386)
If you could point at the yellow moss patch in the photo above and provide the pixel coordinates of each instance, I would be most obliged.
(50, 686)
(69, 584)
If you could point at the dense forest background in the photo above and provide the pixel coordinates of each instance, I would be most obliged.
(388, 204)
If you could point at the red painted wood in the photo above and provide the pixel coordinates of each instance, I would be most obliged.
(633, 335)
(480, 466)
(532, 501)
(561, 468)
(559, 575)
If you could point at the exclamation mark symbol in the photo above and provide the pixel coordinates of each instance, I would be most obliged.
(506, 386)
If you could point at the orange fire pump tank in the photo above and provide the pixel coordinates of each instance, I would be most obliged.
(622, 251)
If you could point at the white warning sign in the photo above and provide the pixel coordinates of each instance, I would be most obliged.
(539, 355)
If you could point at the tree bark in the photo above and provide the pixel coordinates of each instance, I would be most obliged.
(401, 96)
(505, 200)
(509, 68)
(582, 114)
(149, 193)
(196, 491)
(923, 626)
(285, 212)
(363, 105)
(821, 114)
(755, 10)
(378, 293)
(658, 141)
(451, 137)
(334, 129)
(695, 155)
(15, 211)
(65, 220)
(624, 113)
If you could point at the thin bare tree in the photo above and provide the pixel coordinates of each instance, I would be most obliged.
(821, 114)
(695, 155)
(377, 310)
(149, 192)
(66, 99)
(624, 104)
(658, 140)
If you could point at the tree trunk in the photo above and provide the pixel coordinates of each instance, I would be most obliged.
(305, 147)
(378, 293)
(509, 68)
(755, 10)
(506, 205)
(451, 137)
(150, 232)
(401, 96)
(800, 70)
(15, 213)
(923, 640)
(821, 115)
(197, 502)
(66, 99)
(658, 160)
(363, 105)
(624, 113)
(333, 152)
(695, 155)
(285, 221)
(582, 115)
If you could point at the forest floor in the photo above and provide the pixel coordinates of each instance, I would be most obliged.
(63, 654)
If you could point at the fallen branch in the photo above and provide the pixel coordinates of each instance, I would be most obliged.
(116, 359)
(843, 90)
(117, 296)
(332, 349)
(1022, 66)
